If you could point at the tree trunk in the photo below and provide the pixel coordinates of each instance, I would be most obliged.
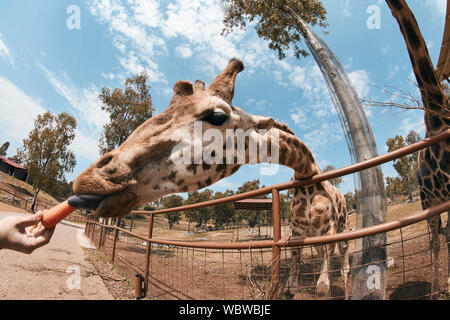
(409, 188)
(362, 147)
(33, 204)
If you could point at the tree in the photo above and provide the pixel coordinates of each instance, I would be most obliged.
(276, 24)
(128, 108)
(394, 187)
(285, 204)
(252, 217)
(4, 148)
(200, 215)
(406, 166)
(45, 151)
(350, 201)
(406, 100)
(172, 201)
(223, 213)
(335, 181)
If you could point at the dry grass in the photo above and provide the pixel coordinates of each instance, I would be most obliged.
(8, 180)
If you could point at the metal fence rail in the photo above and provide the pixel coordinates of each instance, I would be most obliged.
(258, 269)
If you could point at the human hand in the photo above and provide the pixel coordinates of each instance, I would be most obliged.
(24, 234)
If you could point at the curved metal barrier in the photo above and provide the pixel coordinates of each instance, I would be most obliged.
(106, 237)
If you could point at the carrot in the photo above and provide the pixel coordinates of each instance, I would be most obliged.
(56, 214)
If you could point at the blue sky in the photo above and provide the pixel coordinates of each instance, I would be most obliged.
(45, 65)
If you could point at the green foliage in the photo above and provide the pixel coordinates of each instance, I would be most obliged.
(285, 205)
(45, 151)
(223, 213)
(336, 181)
(277, 21)
(128, 108)
(4, 148)
(172, 201)
(200, 215)
(394, 187)
(350, 201)
(406, 166)
(252, 217)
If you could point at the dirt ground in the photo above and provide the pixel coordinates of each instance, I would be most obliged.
(59, 270)
(186, 273)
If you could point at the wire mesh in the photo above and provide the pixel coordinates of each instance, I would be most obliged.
(178, 272)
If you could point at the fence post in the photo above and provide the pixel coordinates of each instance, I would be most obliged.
(147, 252)
(116, 231)
(100, 238)
(276, 251)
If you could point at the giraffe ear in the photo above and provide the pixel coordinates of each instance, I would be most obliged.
(183, 88)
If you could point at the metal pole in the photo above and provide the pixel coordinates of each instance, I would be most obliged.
(100, 239)
(116, 232)
(276, 238)
(147, 253)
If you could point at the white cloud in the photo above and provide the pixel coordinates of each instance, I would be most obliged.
(4, 51)
(325, 134)
(146, 12)
(393, 70)
(361, 81)
(18, 111)
(385, 49)
(184, 51)
(142, 31)
(226, 184)
(299, 118)
(438, 7)
(108, 76)
(85, 146)
(132, 33)
(84, 101)
(413, 123)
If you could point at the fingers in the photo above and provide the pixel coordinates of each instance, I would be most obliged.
(31, 220)
(37, 230)
(43, 238)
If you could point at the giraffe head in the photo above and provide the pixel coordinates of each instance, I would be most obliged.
(162, 155)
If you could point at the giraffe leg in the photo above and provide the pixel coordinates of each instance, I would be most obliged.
(447, 240)
(435, 245)
(345, 265)
(294, 270)
(323, 284)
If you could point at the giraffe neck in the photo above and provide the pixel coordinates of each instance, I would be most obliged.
(293, 153)
(435, 101)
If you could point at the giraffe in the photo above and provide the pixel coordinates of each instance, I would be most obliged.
(433, 163)
(143, 169)
(319, 210)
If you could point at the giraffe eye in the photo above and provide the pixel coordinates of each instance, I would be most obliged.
(216, 118)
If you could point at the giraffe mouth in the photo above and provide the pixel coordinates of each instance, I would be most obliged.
(86, 201)
(116, 204)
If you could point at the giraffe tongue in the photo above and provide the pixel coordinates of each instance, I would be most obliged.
(86, 201)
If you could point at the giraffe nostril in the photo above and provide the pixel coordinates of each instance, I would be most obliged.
(103, 162)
